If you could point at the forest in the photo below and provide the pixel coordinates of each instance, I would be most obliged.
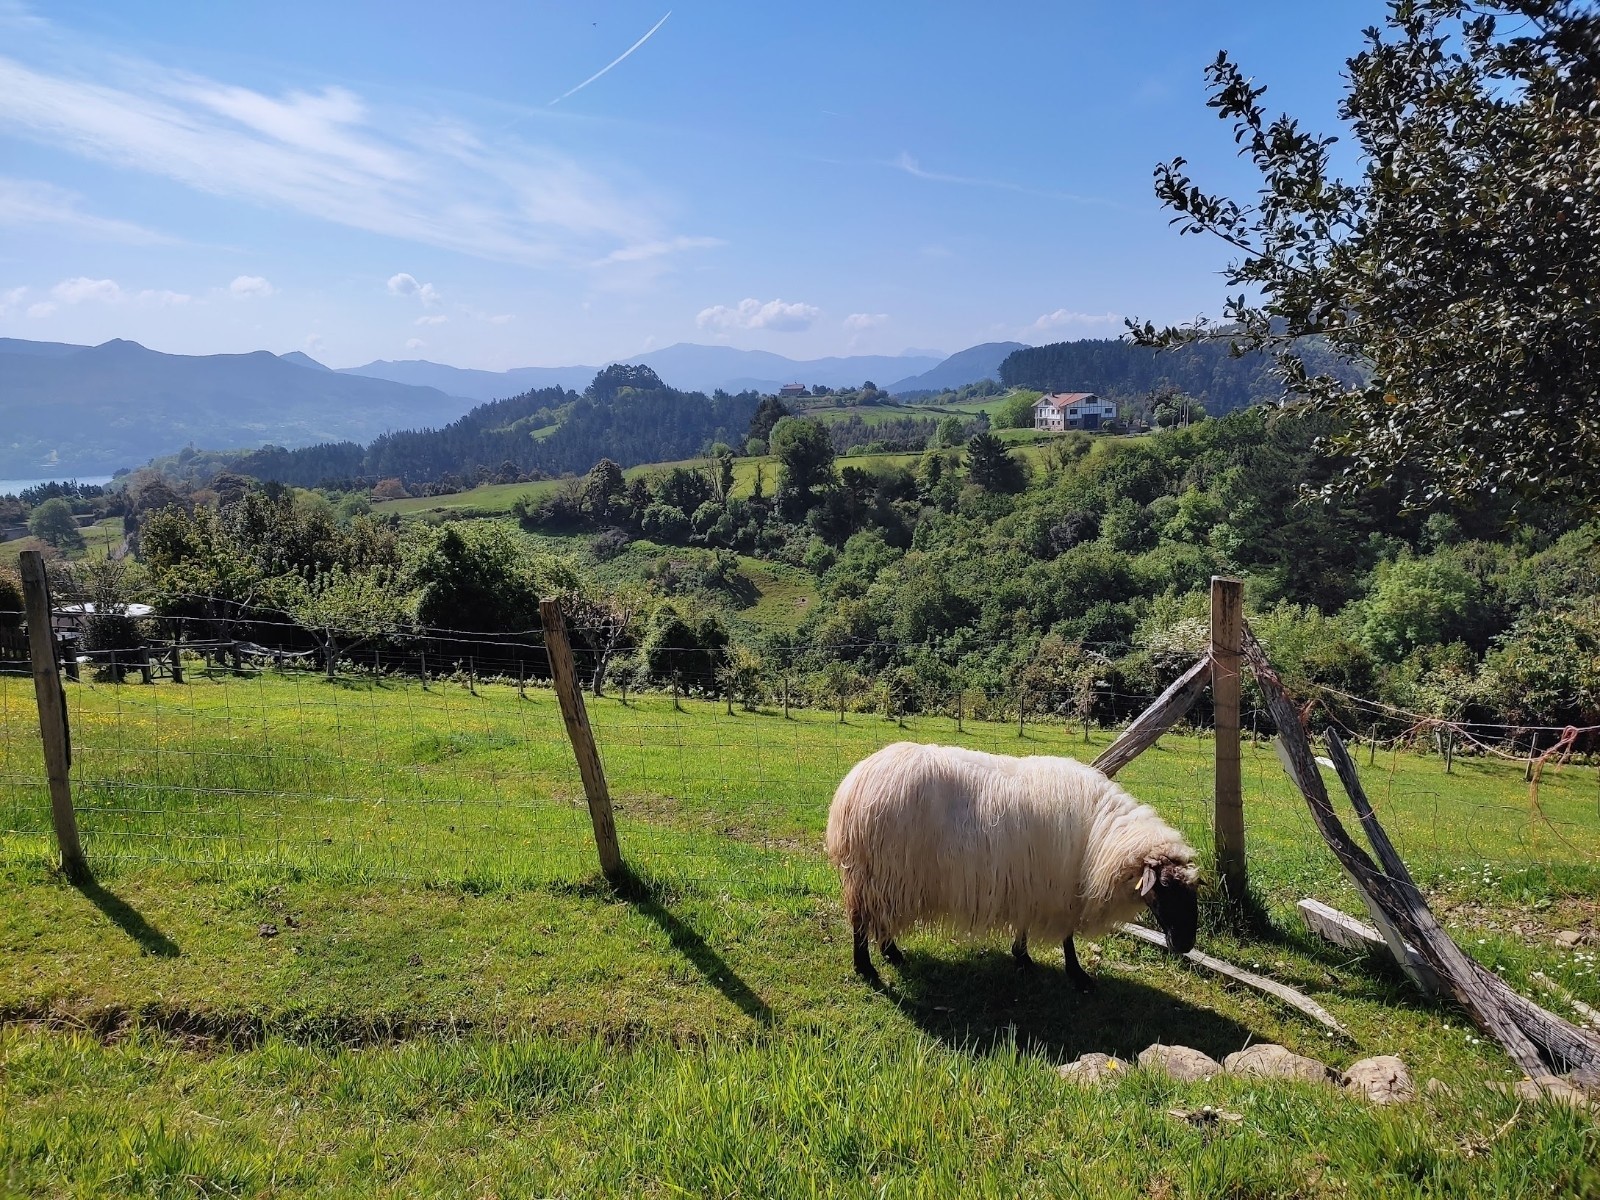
(1209, 371)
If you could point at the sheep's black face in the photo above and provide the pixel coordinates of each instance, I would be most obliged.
(1171, 893)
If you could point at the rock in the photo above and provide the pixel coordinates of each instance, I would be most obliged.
(1549, 1087)
(1093, 1069)
(1438, 1087)
(1268, 1061)
(1180, 1062)
(268, 930)
(1570, 938)
(1382, 1080)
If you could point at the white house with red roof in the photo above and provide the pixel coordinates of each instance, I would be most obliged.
(1072, 410)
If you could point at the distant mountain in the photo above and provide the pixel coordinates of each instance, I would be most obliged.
(685, 366)
(75, 410)
(966, 366)
(43, 349)
(303, 360)
(471, 384)
(706, 368)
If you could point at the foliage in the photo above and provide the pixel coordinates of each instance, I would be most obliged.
(54, 523)
(804, 452)
(479, 577)
(991, 466)
(1461, 266)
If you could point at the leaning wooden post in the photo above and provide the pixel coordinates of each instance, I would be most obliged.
(1227, 641)
(52, 700)
(564, 674)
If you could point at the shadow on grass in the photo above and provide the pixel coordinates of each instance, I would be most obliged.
(645, 898)
(127, 918)
(981, 1002)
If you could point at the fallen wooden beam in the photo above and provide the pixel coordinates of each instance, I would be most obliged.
(1344, 930)
(1271, 987)
(1168, 709)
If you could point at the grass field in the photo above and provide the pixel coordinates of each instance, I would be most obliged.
(348, 939)
(98, 539)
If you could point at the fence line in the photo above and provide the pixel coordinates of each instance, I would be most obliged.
(471, 778)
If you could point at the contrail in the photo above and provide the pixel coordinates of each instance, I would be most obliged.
(613, 62)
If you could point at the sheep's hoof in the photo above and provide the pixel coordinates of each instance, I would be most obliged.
(870, 977)
(892, 954)
(1084, 985)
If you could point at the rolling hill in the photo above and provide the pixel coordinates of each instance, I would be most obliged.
(86, 410)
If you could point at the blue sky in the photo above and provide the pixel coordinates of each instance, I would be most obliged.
(366, 180)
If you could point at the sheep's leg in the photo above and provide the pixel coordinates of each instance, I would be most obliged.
(1019, 952)
(863, 958)
(892, 954)
(1080, 978)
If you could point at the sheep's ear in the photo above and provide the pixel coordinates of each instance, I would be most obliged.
(1147, 882)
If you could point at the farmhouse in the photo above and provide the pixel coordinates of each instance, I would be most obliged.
(1072, 410)
(792, 390)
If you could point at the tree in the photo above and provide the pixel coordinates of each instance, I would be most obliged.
(805, 453)
(768, 413)
(343, 609)
(1460, 268)
(54, 523)
(607, 621)
(990, 465)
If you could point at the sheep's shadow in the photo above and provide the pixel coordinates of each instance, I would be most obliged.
(979, 1001)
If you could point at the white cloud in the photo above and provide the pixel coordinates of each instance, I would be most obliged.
(314, 344)
(80, 289)
(501, 319)
(325, 153)
(407, 285)
(435, 319)
(246, 286)
(29, 202)
(644, 251)
(42, 309)
(859, 322)
(1063, 318)
(415, 343)
(11, 300)
(776, 315)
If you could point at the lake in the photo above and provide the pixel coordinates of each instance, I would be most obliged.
(12, 487)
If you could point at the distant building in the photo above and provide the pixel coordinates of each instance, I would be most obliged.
(791, 390)
(1072, 410)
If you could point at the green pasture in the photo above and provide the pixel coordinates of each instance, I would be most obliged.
(349, 939)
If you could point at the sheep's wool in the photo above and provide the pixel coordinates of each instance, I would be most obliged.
(1048, 847)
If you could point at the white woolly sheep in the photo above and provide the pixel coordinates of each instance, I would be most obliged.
(1047, 847)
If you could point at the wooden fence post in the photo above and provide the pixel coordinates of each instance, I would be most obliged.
(564, 674)
(52, 700)
(1227, 643)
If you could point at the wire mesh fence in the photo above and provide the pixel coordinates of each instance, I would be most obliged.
(447, 760)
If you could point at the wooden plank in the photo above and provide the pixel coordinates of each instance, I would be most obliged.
(565, 675)
(1227, 634)
(1331, 925)
(1344, 930)
(1148, 726)
(1279, 991)
(52, 702)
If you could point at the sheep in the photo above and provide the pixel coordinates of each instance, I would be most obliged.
(1047, 847)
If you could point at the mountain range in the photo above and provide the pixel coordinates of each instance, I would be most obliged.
(88, 410)
(685, 366)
